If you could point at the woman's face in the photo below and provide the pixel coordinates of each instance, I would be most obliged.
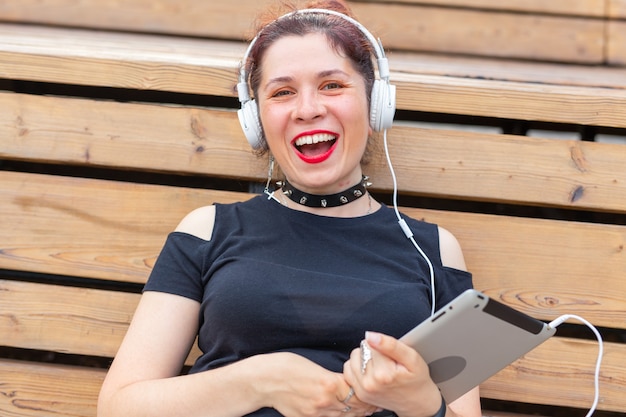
(314, 112)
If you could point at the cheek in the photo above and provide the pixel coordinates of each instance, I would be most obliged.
(267, 117)
(273, 122)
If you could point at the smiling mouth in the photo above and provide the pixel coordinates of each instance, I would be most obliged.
(315, 145)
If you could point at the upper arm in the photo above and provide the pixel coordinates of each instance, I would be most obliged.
(451, 253)
(164, 326)
(158, 340)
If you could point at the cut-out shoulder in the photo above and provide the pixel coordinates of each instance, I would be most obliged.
(198, 223)
(451, 253)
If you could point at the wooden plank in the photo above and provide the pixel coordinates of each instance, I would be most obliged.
(511, 168)
(66, 319)
(48, 390)
(188, 17)
(617, 42)
(94, 322)
(145, 62)
(73, 320)
(549, 74)
(442, 163)
(588, 8)
(560, 373)
(501, 34)
(97, 229)
(45, 389)
(403, 25)
(616, 9)
(559, 267)
(556, 373)
(108, 230)
(127, 135)
(509, 100)
(36, 56)
(169, 15)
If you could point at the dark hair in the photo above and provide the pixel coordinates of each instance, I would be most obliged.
(343, 36)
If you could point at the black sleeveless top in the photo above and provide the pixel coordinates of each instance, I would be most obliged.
(275, 279)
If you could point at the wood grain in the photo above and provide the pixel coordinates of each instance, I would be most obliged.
(485, 33)
(76, 320)
(441, 163)
(48, 390)
(146, 62)
(121, 60)
(107, 230)
(470, 29)
(457, 57)
(127, 135)
(66, 319)
(487, 68)
(560, 372)
(42, 390)
(92, 228)
(617, 42)
(187, 17)
(588, 8)
(510, 100)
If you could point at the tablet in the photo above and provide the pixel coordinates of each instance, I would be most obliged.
(472, 338)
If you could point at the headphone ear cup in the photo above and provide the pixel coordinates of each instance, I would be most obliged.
(249, 120)
(382, 105)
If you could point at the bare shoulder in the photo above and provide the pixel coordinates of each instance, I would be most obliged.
(451, 253)
(199, 222)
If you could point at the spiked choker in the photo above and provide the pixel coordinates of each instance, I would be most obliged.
(332, 200)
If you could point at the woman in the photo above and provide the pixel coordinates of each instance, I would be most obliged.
(281, 291)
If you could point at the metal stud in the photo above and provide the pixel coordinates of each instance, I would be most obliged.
(324, 203)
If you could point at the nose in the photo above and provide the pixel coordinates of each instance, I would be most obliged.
(309, 106)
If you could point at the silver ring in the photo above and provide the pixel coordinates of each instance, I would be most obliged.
(350, 395)
(366, 355)
(345, 410)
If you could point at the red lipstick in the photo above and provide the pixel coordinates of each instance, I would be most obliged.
(309, 150)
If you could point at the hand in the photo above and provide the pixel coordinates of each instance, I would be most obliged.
(298, 387)
(395, 378)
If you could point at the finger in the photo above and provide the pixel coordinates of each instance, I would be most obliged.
(352, 366)
(394, 349)
(348, 396)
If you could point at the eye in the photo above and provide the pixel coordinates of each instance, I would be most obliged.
(281, 93)
(331, 86)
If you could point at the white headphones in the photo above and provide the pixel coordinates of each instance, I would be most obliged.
(383, 99)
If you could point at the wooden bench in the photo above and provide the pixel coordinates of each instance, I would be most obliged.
(109, 136)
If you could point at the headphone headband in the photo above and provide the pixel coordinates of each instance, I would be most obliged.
(382, 103)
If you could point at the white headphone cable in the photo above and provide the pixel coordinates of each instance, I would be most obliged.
(406, 229)
(560, 320)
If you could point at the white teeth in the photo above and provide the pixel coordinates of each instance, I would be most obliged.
(316, 138)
